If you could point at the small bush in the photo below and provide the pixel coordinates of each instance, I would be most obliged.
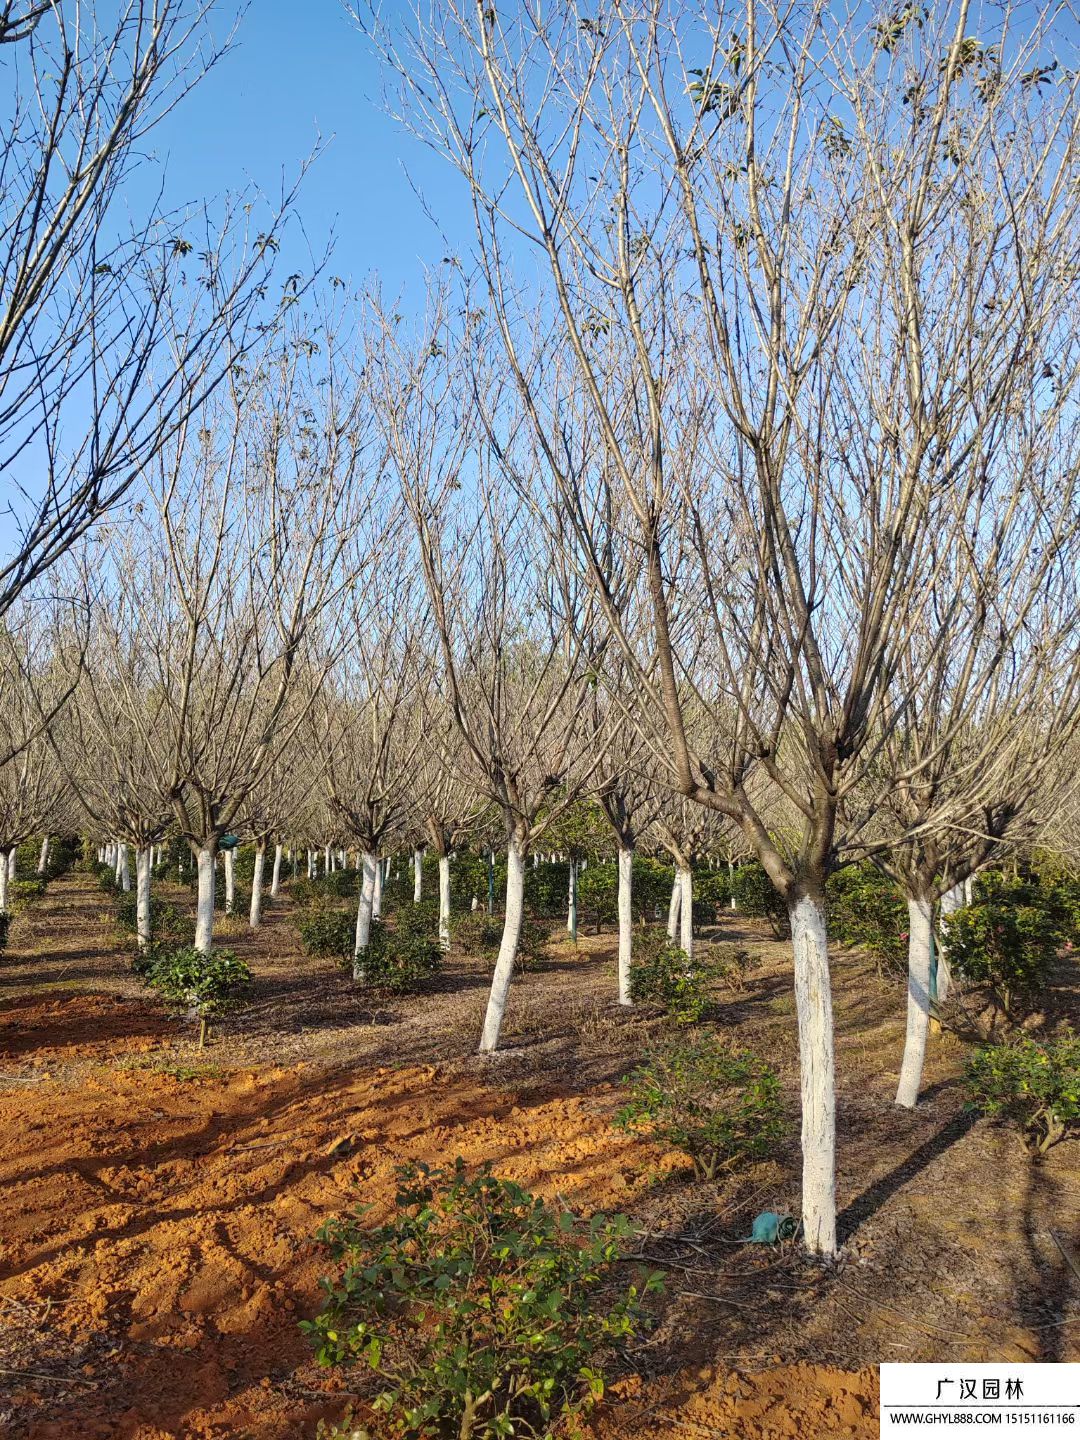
(328, 934)
(5, 926)
(24, 892)
(715, 1103)
(203, 984)
(1034, 1083)
(480, 935)
(755, 894)
(1006, 941)
(168, 922)
(421, 918)
(866, 909)
(660, 972)
(486, 1309)
(398, 961)
(340, 885)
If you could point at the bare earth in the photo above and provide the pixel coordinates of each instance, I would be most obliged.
(157, 1204)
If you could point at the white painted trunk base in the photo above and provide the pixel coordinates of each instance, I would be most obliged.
(125, 869)
(685, 881)
(230, 881)
(813, 1003)
(204, 915)
(144, 865)
(571, 904)
(626, 923)
(444, 902)
(504, 965)
(43, 858)
(363, 912)
(255, 913)
(418, 876)
(920, 942)
(673, 909)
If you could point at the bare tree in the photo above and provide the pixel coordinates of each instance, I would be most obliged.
(752, 221)
(114, 326)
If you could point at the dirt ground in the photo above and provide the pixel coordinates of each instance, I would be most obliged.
(157, 1204)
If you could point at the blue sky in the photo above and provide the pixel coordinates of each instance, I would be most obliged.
(299, 71)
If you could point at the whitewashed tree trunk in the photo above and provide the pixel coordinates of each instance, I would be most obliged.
(376, 894)
(204, 914)
(418, 876)
(230, 881)
(571, 905)
(673, 909)
(255, 914)
(275, 880)
(144, 865)
(3, 882)
(117, 863)
(125, 869)
(731, 882)
(920, 955)
(43, 858)
(444, 902)
(328, 861)
(504, 965)
(969, 890)
(363, 912)
(686, 911)
(951, 901)
(536, 861)
(626, 923)
(813, 1003)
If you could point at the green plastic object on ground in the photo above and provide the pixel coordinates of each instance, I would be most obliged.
(769, 1227)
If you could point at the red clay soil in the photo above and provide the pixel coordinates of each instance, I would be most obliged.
(157, 1205)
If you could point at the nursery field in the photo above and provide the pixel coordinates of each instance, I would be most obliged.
(158, 1203)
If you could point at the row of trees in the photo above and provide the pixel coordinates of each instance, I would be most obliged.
(746, 505)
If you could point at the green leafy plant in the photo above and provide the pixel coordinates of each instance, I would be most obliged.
(1006, 941)
(203, 984)
(660, 972)
(480, 935)
(328, 934)
(486, 1311)
(398, 961)
(716, 1103)
(5, 926)
(168, 922)
(339, 885)
(755, 894)
(866, 909)
(1034, 1083)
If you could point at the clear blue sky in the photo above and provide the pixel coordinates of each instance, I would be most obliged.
(298, 71)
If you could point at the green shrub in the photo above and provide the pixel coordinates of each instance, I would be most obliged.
(547, 888)
(398, 961)
(24, 892)
(106, 878)
(480, 935)
(168, 922)
(755, 895)
(487, 1311)
(716, 1103)
(598, 891)
(660, 972)
(328, 934)
(1035, 1083)
(203, 984)
(341, 885)
(421, 918)
(1006, 941)
(712, 893)
(866, 909)
(5, 926)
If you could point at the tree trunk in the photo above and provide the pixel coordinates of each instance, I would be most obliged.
(920, 941)
(444, 902)
(144, 866)
(125, 869)
(255, 914)
(626, 923)
(685, 881)
(230, 881)
(731, 882)
(813, 1003)
(3, 882)
(418, 876)
(363, 913)
(204, 921)
(275, 881)
(43, 858)
(673, 909)
(504, 965)
(951, 901)
(571, 905)
(969, 890)
(376, 893)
